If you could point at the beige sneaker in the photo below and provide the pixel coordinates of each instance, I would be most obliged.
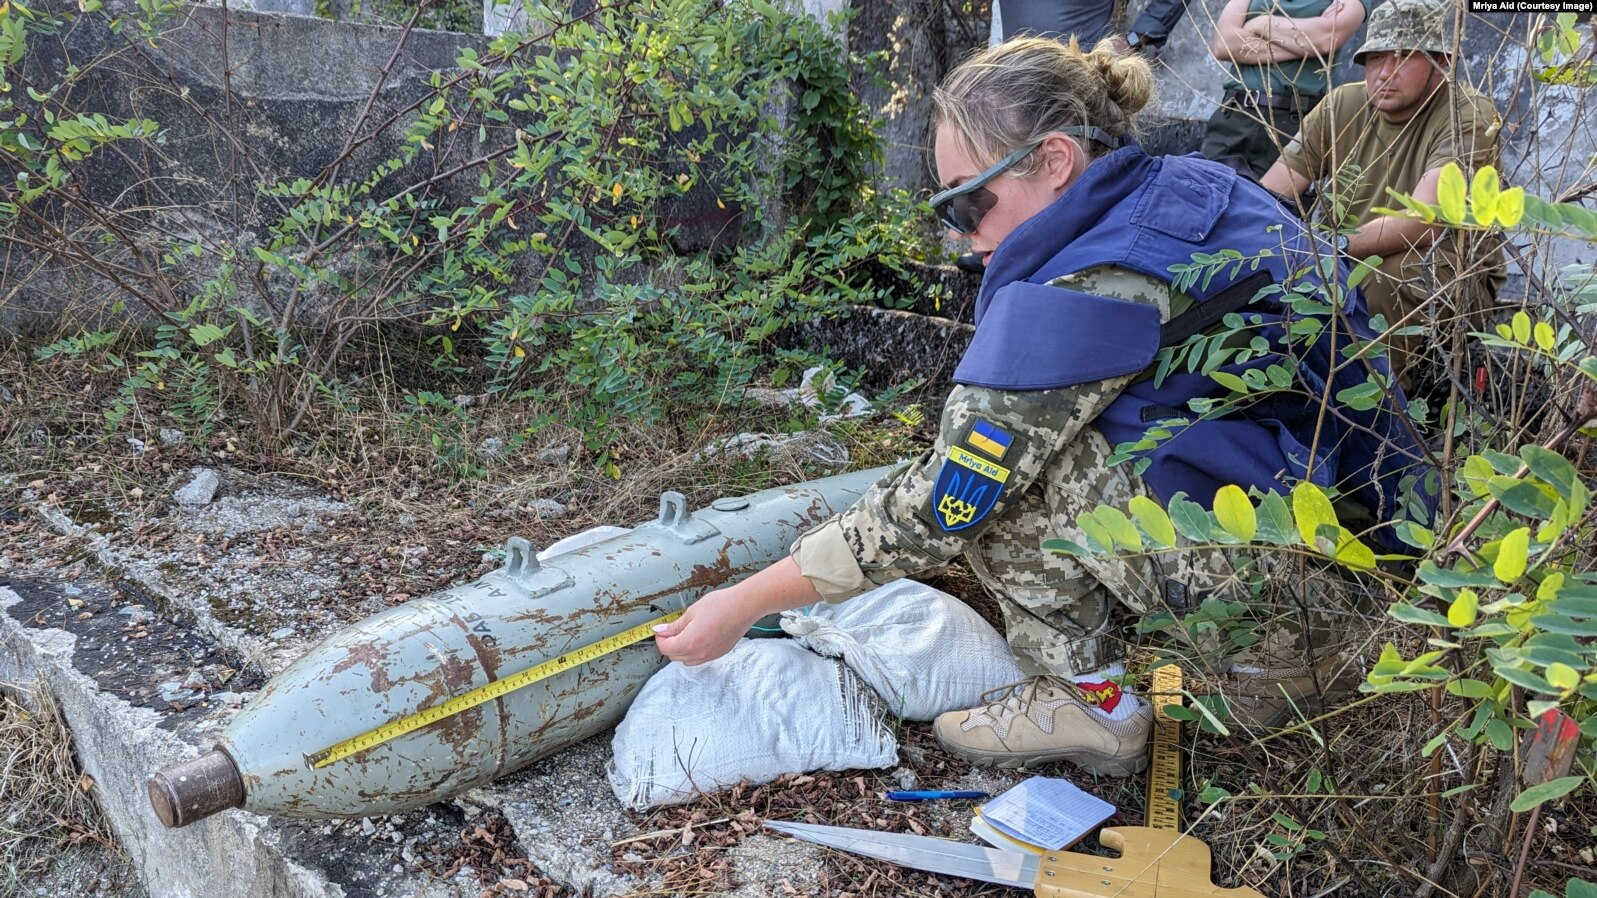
(1043, 719)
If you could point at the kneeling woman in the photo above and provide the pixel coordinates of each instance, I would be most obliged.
(1080, 229)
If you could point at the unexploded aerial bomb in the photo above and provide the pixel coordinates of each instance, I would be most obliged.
(401, 709)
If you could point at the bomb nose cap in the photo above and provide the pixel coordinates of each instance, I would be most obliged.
(194, 790)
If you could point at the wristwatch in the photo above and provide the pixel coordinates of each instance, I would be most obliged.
(1341, 244)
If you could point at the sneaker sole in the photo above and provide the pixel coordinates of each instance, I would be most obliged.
(1093, 762)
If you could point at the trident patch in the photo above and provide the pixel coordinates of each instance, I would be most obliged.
(967, 489)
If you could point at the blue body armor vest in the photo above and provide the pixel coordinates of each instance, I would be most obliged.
(1148, 214)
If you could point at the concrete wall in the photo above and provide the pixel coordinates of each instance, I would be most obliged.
(245, 100)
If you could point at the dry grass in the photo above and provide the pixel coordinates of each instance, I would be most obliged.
(46, 801)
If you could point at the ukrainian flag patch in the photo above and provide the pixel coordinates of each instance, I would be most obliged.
(987, 438)
(967, 488)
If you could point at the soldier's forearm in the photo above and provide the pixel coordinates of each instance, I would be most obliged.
(1388, 235)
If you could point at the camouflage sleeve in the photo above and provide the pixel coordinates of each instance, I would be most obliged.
(991, 447)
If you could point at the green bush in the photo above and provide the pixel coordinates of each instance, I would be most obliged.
(525, 223)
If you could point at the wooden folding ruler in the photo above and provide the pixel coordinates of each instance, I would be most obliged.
(1164, 773)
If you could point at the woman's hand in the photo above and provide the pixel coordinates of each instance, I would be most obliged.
(713, 624)
(707, 630)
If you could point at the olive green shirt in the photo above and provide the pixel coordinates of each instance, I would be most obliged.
(1346, 141)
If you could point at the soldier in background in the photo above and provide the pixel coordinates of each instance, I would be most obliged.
(1396, 130)
(1281, 53)
(1089, 21)
(1079, 228)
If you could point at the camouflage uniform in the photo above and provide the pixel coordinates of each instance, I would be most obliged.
(1060, 612)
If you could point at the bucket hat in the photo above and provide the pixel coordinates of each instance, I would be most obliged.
(1408, 25)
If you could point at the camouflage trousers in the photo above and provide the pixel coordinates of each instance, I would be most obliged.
(1066, 615)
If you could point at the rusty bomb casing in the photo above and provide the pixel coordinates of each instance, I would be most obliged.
(432, 649)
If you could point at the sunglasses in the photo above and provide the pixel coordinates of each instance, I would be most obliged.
(961, 208)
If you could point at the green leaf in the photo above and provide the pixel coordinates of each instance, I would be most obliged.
(1363, 396)
(1573, 606)
(1463, 610)
(1510, 206)
(1313, 510)
(1098, 538)
(1500, 735)
(1177, 712)
(1483, 195)
(1153, 520)
(206, 334)
(1414, 535)
(1425, 211)
(1453, 577)
(1580, 888)
(1064, 547)
(1520, 326)
(1563, 676)
(1512, 555)
(1413, 614)
(1544, 792)
(1275, 520)
(1353, 553)
(1469, 689)
(1527, 680)
(1558, 623)
(1551, 467)
(1543, 333)
(1234, 512)
(1190, 519)
(1450, 191)
(1476, 472)
(1522, 497)
(1119, 526)
(1230, 381)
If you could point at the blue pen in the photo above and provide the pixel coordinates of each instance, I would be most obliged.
(933, 794)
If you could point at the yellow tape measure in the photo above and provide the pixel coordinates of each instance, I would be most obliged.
(1164, 775)
(496, 689)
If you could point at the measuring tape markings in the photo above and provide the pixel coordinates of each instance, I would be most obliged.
(1164, 777)
(485, 693)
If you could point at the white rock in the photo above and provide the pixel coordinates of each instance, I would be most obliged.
(492, 449)
(201, 489)
(546, 509)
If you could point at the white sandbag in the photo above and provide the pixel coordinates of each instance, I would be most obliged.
(767, 708)
(924, 651)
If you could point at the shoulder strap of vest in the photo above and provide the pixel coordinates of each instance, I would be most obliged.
(1204, 315)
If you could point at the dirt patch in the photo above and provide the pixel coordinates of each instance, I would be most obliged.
(146, 660)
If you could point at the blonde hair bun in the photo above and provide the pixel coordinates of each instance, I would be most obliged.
(1128, 79)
